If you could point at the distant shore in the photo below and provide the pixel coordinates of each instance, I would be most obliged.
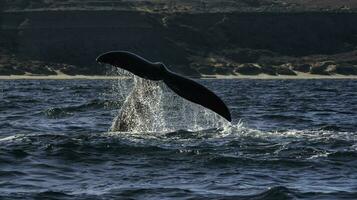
(261, 76)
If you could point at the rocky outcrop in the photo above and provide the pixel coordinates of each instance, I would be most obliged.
(285, 69)
(346, 69)
(269, 69)
(302, 68)
(10, 65)
(323, 68)
(248, 69)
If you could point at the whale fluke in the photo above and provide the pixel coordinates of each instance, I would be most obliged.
(184, 87)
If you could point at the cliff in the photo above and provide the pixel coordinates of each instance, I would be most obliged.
(191, 6)
(54, 37)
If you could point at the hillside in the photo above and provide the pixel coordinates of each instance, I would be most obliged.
(192, 37)
(192, 6)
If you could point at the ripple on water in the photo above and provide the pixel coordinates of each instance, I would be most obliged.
(298, 141)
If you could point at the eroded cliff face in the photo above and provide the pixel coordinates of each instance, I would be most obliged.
(191, 6)
(189, 43)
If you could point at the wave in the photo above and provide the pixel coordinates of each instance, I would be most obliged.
(38, 195)
(225, 146)
(61, 112)
(237, 150)
(11, 173)
(52, 195)
(273, 193)
(154, 193)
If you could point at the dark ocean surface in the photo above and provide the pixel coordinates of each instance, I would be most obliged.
(290, 139)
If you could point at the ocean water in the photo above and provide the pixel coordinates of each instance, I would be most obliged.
(289, 139)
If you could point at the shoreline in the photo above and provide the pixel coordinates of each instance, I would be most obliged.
(261, 76)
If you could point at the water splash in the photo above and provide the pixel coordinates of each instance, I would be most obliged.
(141, 110)
(150, 106)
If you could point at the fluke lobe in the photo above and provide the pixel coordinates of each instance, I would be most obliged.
(184, 87)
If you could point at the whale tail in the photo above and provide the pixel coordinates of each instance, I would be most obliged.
(184, 87)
